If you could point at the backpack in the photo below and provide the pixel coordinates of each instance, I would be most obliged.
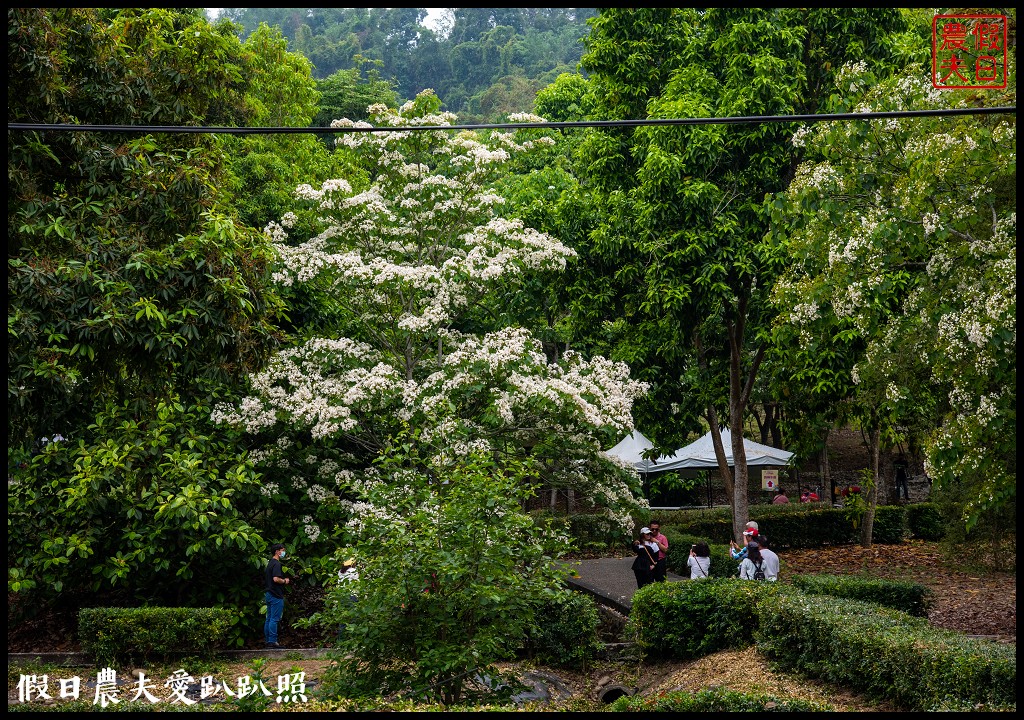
(758, 571)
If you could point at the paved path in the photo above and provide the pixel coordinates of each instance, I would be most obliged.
(610, 581)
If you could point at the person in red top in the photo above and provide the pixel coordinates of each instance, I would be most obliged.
(780, 498)
(661, 569)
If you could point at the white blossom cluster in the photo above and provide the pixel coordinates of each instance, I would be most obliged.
(909, 231)
(407, 255)
(311, 529)
(815, 176)
(850, 77)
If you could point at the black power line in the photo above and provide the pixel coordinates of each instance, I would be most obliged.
(738, 120)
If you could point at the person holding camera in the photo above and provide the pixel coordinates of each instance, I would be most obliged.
(646, 558)
(699, 561)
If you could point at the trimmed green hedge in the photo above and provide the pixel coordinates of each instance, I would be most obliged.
(925, 522)
(886, 653)
(907, 597)
(865, 646)
(114, 635)
(722, 564)
(715, 700)
(795, 525)
(688, 620)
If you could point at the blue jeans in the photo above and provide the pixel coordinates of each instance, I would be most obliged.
(275, 607)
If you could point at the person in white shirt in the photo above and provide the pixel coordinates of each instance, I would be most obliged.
(771, 560)
(753, 566)
(699, 561)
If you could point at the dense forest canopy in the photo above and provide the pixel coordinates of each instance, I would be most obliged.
(482, 62)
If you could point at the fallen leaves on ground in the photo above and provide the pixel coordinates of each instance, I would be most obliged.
(970, 602)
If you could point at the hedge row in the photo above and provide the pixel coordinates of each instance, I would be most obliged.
(121, 635)
(907, 597)
(811, 525)
(880, 651)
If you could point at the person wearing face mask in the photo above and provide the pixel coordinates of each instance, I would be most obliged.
(275, 582)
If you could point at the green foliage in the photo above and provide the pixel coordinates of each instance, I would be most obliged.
(453, 575)
(120, 635)
(920, 285)
(793, 525)
(989, 544)
(129, 278)
(565, 633)
(722, 564)
(715, 700)
(257, 701)
(687, 620)
(925, 522)
(885, 653)
(909, 597)
(855, 504)
(593, 531)
(148, 508)
(484, 63)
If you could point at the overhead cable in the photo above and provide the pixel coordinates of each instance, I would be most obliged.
(737, 120)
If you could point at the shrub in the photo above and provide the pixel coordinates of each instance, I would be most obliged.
(890, 527)
(884, 652)
(596, 531)
(114, 635)
(451, 588)
(722, 564)
(925, 522)
(907, 597)
(693, 619)
(566, 632)
(791, 526)
(715, 700)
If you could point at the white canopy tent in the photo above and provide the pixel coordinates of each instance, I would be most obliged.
(698, 455)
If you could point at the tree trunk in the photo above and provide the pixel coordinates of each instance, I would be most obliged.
(739, 398)
(868, 524)
(716, 440)
(776, 425)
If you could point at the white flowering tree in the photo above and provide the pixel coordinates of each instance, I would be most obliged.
(903, 233)
(413, 250)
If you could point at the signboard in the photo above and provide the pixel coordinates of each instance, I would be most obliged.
(770, 479)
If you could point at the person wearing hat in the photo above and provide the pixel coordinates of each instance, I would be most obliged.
(646, 560)
(661, 569)
(749, 533)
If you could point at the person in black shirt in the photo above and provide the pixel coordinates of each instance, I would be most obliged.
(275, 582)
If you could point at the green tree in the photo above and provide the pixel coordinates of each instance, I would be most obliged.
(126, 270)
(137, 297)
(160, 510)
(451, 574)
(903, 233)
(683, 207)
